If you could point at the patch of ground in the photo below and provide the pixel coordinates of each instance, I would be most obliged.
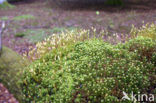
(5, 96)
(35, 16)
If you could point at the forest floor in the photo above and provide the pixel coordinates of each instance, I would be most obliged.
(31, 22)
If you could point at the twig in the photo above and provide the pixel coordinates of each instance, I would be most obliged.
(1, 32)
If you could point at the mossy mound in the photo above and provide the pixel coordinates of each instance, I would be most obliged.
(91, 71)
(10, 70)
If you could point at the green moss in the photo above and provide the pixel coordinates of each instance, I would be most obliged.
(5, 18)
(90, 71)
(11, 66)
(148, 30)
(20, 34)
(23, 17)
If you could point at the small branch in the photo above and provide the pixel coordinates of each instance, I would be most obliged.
(1, 32)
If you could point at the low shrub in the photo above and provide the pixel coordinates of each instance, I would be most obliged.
(90, 71)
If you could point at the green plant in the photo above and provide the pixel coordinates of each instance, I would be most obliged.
(145, 47)
(148, 30)
(101, 69)
(57, 40)
(23, 17)
(20, 34)
(70, 68)
(11, 67)
(5, 18)
(88, 71)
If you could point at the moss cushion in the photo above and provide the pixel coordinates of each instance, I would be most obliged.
(10, 70)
